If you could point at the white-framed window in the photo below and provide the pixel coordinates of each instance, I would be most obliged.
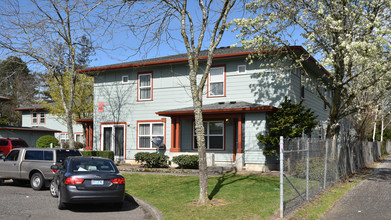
(79, 138)
(125, 79)
(145, 87)
(214, 135)
(216, 82)
(38, 117)
(42, 118)
(34, 117)
(64, 137)
(113, 138)
(146, 131)
(241, 69)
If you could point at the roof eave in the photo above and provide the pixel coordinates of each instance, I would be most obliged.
(219, 111)
(165, 62)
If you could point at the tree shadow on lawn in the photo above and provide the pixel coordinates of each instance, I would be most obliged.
(225, 180)
(231, 178)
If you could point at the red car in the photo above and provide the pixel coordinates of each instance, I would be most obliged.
(7, 144)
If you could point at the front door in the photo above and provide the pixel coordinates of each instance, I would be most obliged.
(113, 138)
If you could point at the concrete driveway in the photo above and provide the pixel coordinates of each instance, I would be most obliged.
(22, 202)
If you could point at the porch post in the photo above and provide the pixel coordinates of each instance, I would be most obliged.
(240, 132)
(177, 135)
(175, 132)
(91, 135)
(173, 144)
(234, 140)
(87, 136)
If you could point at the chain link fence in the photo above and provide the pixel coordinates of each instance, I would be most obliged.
(311, 165)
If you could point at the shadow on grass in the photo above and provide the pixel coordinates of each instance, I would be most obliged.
(225, 180)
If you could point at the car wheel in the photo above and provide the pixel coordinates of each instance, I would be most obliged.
(37, 181)
(53, 189)
(60, 204)
(1, 182)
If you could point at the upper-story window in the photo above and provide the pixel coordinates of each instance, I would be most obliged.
(42, 118)
(241, 69)
(35, 118)
(125, 79)
(38, 117)
(216, 82)
(145, 87)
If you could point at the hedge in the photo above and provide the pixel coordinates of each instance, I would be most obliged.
(152, 160)
(186, 161)
(78, 145)
(106, 154)
(45, 141)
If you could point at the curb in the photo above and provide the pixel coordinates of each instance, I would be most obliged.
(156, 214)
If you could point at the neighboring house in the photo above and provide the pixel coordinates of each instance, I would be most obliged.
(138, 101)
(28, 133)
(38, 116)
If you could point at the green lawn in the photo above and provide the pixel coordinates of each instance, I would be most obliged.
(244, 196)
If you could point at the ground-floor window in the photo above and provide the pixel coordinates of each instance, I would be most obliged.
(214, 135)
(147, 131)
(64, 137)
(79, 138)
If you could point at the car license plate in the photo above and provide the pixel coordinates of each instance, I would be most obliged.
(96, 182)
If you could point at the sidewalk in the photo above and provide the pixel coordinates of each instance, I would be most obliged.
(370, 199)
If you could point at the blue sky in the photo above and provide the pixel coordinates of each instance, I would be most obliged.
(121, 41)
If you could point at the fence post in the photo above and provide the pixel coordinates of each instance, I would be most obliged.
(325, 164)
(307, 190)
(281, 177)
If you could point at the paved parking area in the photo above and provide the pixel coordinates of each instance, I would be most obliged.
(22, 202)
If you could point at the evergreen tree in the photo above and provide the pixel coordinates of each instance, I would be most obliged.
(20, 85)
(290, 121)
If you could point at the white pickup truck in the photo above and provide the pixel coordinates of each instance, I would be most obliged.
(33, 164)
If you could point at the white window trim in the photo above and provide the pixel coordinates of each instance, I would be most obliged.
(140, 87)
(245, 69)
(123, 81)
(40, 118)
(112, 136)
(208, 135)
(150, 134)
(36, 118)
(223, 81)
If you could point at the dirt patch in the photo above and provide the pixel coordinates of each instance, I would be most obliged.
(213, 202)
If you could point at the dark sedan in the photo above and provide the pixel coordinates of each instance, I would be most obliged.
(87, 180)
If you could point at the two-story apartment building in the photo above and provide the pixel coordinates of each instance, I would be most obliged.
(138, 101)
(39, 116)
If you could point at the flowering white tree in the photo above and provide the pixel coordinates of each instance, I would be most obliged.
(351, 37)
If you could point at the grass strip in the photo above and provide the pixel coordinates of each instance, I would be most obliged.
(233, 196)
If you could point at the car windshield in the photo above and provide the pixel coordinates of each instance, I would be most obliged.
(92, 165)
